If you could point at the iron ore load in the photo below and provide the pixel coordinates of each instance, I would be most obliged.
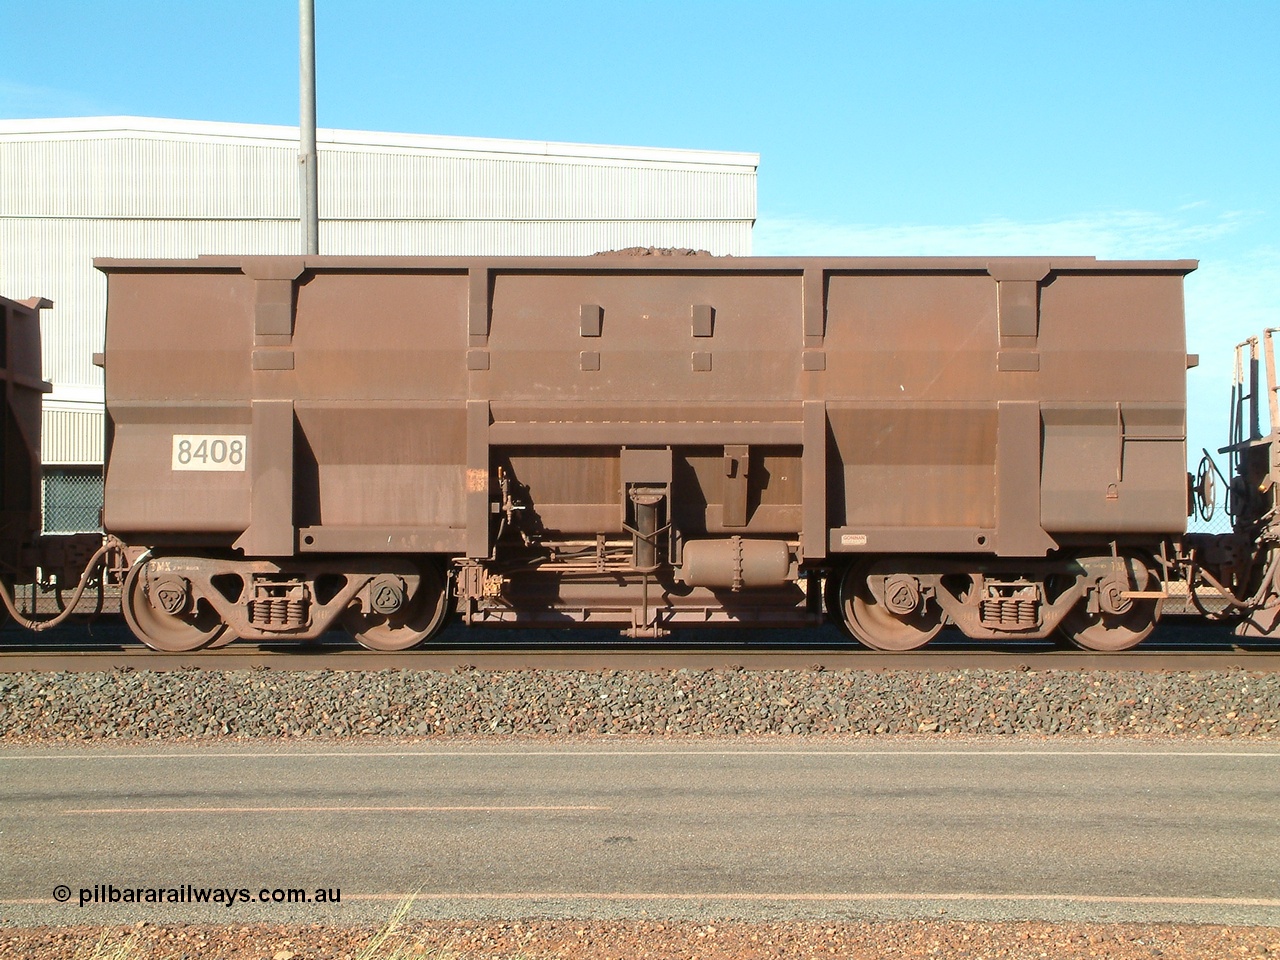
(645, 442)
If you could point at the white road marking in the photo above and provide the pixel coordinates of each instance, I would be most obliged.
(755, 897)
(692, 752)
(834, 897)
(338, 809)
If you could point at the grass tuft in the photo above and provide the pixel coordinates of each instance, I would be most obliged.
(392, 942)
(126, 949)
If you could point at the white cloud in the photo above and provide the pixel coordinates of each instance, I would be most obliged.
(1124, 234)
(1229, 299)
(20, 101)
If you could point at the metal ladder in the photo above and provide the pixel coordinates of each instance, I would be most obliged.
(1246, 411)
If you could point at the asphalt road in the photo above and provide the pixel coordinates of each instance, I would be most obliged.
(1076, 830)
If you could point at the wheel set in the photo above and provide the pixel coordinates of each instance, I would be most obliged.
(180, 604)
(1097, 603)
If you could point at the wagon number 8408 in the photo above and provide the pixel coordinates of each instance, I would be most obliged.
(194, 451)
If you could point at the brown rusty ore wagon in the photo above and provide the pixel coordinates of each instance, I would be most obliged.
(20, 405)
(23, 548)
(648, 442)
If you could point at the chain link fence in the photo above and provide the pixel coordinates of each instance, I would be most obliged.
(72, 499)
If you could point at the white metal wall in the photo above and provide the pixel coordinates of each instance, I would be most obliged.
(127, 175)
(73, 190)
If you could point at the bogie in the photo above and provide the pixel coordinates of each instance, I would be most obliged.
(183, 603)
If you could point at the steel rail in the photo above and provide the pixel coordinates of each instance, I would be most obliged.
(1177, 644)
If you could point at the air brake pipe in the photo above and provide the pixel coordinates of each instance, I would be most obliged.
(1251, 603)
(38, 625)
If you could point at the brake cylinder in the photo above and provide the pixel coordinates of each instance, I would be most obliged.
(736, 563)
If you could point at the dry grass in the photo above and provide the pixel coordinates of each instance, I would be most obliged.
(126, 949)
(391, 942)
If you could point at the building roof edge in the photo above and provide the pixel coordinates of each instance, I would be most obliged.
(160, 127)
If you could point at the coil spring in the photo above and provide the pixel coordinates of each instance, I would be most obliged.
(279, 613)
(1010, 613)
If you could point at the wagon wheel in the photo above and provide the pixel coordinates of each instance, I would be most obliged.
(1121, 622)
(1107, 633)
(164, 620)
(421, 617)
(875, 624)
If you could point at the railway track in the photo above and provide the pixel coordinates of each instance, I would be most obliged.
(107, 645)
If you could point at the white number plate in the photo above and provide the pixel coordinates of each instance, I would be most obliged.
(206, 451)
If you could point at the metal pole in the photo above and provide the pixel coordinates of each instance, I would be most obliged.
(307, 126)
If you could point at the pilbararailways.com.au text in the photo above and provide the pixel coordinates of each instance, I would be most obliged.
(107, 893)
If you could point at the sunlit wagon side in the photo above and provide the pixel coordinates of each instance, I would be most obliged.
(648, 442)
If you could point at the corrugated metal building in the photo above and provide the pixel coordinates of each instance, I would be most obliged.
(75, 189)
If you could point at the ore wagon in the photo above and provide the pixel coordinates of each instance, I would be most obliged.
(27, 556)
(647, 442)
(20, 401)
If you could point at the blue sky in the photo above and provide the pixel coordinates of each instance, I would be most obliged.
(1116, 129)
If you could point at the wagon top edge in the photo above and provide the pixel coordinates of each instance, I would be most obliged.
(624, 262)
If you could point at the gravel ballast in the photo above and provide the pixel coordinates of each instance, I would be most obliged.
(197, 704)
(653, 940)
